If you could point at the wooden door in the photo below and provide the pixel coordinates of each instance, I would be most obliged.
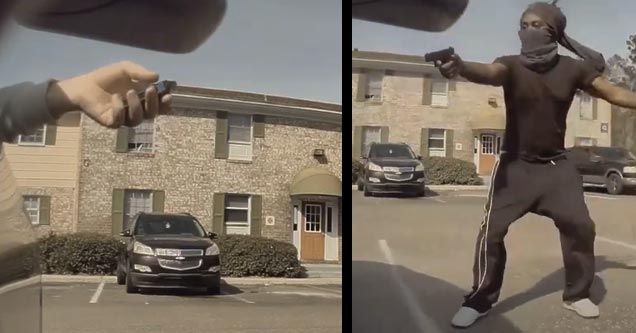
(312, 239)
(487, 155)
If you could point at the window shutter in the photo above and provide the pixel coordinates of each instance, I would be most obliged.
(259, 126)
(357, 142)
(256, 215)
(427, 91)
(220, 145)
(118, 211)
(448, 142)
(361, 93)
(218, 218)
(594, 108)
(51, 135)
(384, 134)
(45, 210)
(424, 142)
(452, 85)
(158, 198)
(122, 139)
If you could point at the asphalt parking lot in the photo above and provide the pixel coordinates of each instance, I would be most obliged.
(416, 255)
(106, 308)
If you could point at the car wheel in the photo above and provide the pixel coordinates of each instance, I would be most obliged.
(130, 287)
(121, 276)
(366, 192)
(421, 193)
(614, 184)
(214, 290)
(360, 184)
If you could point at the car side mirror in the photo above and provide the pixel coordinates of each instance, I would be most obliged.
(419, 157)
(125, 233)
(212, 235)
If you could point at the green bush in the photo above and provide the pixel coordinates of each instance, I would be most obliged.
(80, 253)
(258, 256)
(447, 170)
(356, 167)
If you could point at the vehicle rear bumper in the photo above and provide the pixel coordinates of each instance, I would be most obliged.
(395, 187)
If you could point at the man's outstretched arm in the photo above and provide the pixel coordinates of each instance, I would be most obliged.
(492, 74)
(601, 87)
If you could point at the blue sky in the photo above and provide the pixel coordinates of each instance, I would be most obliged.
(488, 29)
(281, 47)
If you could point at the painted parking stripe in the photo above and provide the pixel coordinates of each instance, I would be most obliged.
(238, 298)
(306, 294)
(615, 242)
(339, 292)
(97, 293)
(597, 196)
(423, 322)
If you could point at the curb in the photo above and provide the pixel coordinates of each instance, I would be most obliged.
(449, 187)
(230, 281)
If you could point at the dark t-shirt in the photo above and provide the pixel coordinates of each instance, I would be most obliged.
(537, 104)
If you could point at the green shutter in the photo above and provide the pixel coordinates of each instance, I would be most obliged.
(357, 142)
(361, 93)
(427, 91)
(384, 134)
(259, 126)
(158, 198)
(51, 135)
(424, 142)
(452, 85)
(594, 108)
(256, 215)
(118, 211)
(218, 218)
(122, 140)
(45, 210)
(220, 145)
(448, 142)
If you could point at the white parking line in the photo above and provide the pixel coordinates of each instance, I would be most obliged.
(98, 292)
(339, 292)
(434, 199)
(238, 298)
(423, 322)
(305, 293)
(600, 196)
(473, 195)
(615, 242)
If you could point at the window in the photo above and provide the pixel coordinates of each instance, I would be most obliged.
(313, 218)
(586, 109)
(369, 136)
(237, 214)
(329, 219)
(32, 207)
(487, 144)
(240, 136)
(374, 85)
(136, 201)
(498, 147)
(583, 141)
(436, 142)
(140, 138)
(35, 139)
(439, 93)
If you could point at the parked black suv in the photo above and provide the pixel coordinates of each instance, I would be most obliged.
(611, 167)
(169, 251)
(391, 168)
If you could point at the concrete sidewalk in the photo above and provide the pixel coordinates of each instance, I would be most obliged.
(228, 280)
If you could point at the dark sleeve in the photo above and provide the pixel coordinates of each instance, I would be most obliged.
(587, 74)
(23, 108)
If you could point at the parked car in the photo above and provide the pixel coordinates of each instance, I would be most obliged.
(169, 251)
(613, 168)
(391, 168)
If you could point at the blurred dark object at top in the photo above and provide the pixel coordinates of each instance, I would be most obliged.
(426, 15)
(173, 26)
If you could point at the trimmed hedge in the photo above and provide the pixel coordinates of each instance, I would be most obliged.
(96, 254)
(450, 171)
(356, 167)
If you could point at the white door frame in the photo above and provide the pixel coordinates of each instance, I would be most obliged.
(477, 143)
(296, 223)
(331, 238)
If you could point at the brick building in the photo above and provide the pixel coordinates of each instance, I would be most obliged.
(401, 98)
(241, 163)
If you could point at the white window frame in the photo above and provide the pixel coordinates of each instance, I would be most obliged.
(440, 152)
(442, 99)
(127, 214)
(584, 101)
(152, 143)
(37, 144)
(320, 215)
(579, 139)
(37, 209)
(248, 224)
(375, 97)
(484, 150)
(364, 130)
(236, 143)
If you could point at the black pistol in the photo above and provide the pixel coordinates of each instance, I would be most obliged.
(442, 55)
(163, 88)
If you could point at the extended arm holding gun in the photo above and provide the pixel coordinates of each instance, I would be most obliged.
(451, 65)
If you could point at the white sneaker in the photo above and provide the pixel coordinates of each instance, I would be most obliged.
(466, 316)
(583, 307)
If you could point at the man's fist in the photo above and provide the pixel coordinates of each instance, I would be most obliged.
(451, 68)
(104, 93)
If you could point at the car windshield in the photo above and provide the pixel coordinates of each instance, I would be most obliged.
(616, 154)
(168, 226)
(392, 151)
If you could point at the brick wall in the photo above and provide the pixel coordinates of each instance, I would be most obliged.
(62, 208)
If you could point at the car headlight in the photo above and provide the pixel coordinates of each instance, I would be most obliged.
(142, 249)
(374, 167)
(419, 167)
(212, 250)
(629, 169)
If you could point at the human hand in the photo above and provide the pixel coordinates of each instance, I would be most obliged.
(451, 68)
(104, 93)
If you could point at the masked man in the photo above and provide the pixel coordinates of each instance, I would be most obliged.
(533, 173)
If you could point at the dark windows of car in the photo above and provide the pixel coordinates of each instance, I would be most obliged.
(614, 153)
(173, 225)
(391, 151)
